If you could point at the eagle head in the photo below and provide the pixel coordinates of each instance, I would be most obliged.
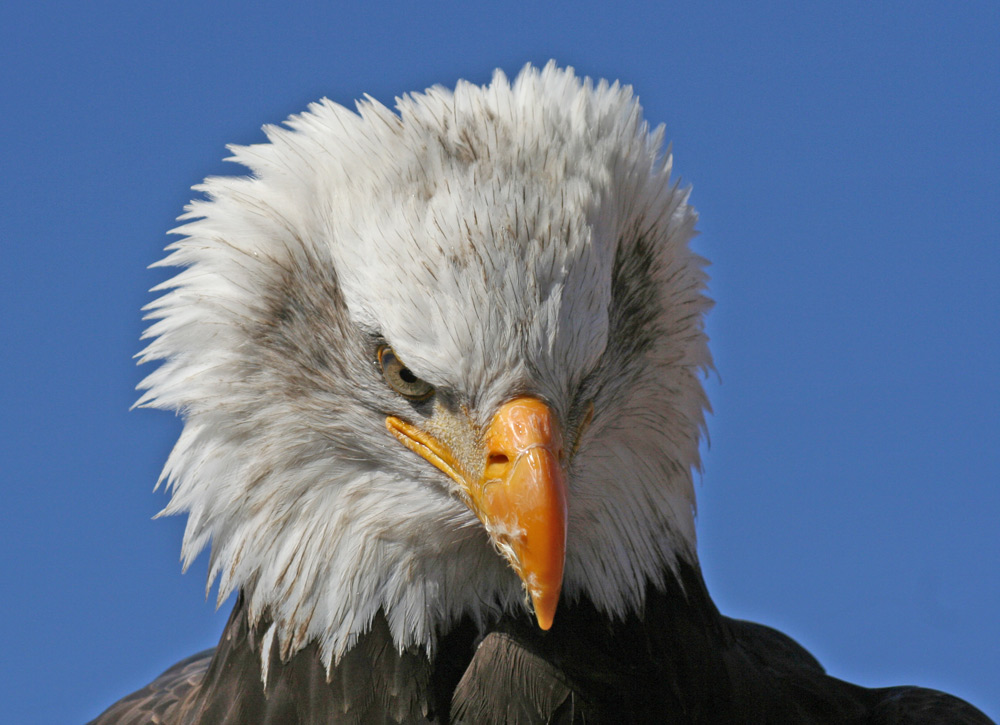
(441, 361)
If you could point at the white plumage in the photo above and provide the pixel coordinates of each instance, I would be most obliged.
(478, 232)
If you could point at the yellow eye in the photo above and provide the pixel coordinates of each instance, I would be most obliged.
(400, 378)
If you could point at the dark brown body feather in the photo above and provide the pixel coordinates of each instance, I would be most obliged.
(680, 662)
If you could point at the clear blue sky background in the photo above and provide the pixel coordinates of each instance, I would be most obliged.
(844, 158)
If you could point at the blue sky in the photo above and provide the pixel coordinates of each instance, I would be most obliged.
(844, 159)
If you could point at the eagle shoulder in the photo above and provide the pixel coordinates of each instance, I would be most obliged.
(165, 699)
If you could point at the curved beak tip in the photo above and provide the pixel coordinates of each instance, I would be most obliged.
(545, 610)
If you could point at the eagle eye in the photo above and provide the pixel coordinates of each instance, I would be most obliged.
(400, 378)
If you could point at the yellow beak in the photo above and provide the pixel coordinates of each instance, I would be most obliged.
(520, 495)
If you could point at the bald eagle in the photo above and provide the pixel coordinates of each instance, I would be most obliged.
(440, 372)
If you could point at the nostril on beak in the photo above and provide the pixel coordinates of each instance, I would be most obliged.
(497, 459)
(496, 465)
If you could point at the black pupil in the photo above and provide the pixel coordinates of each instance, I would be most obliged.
(407, 377)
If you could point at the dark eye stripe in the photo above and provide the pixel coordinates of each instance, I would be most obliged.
(400, 378)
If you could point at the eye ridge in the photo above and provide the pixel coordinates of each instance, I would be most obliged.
(400, 378)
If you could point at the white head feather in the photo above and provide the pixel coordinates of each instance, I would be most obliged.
(506, 238)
